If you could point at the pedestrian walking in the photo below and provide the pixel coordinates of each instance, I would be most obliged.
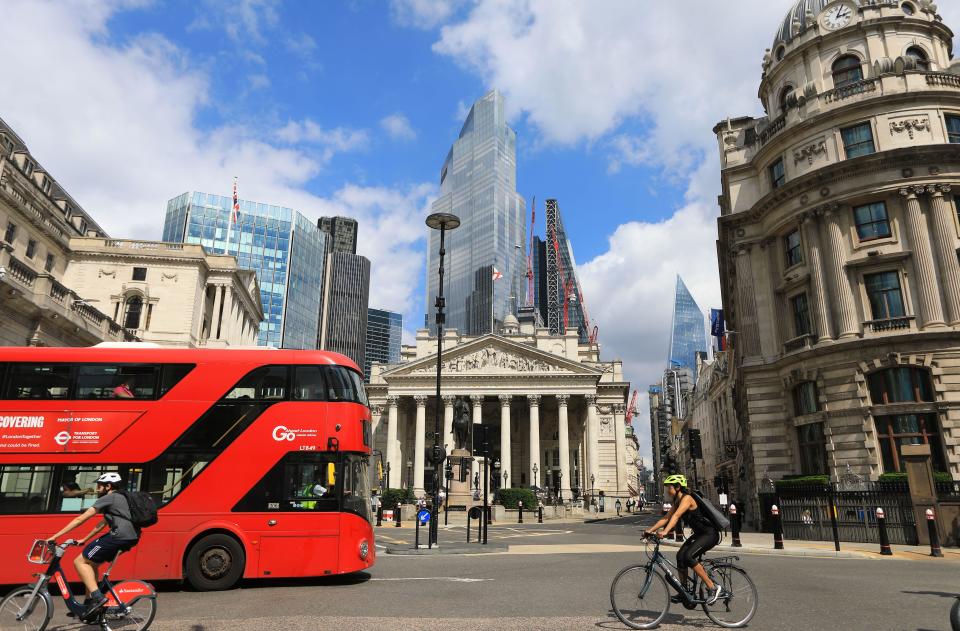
(617, 505)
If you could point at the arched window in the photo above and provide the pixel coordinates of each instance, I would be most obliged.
(784, 95)
(916, 53)
(846, 70)
(131, 314)
(901, 385)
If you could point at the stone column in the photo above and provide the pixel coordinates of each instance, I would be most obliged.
(746, 311)
(593, 441)
(620, 433)
(564, 435)
(448, 438)
(477, 400)
(419, 446)
(848, 325)
(818, 282)
(214, 316)
(226, 327)
(931, 309)
(780, 326)
(945, 235)
(534, 401)
(393, 447)
(505, 445)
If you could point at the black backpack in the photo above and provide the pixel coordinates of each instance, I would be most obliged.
(711, 512)
(143, 510)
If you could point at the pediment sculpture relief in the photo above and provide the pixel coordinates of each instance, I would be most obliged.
(491, 358)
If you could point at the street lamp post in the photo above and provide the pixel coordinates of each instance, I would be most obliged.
(506, 475)
(560, 488)
(536, 478)
(409, 474)
(441, 222)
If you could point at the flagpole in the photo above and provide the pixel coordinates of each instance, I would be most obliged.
(233, 213)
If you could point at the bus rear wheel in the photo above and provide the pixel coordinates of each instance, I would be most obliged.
(215, 563)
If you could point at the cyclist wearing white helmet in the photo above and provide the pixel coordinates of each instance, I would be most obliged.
(123, 536)
(705, 535)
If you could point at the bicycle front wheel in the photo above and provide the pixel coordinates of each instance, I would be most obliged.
(22, 611)
(136, 616)
(640, 597)
(737, 606)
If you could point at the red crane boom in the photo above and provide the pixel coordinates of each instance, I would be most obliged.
(632, 408)
(533, 223)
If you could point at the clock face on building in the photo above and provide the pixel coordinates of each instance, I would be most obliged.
(838, 16)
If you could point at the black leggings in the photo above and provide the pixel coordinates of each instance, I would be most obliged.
(696, 546)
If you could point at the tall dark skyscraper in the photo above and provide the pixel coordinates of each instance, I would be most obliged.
(345, 301)
(486, 256)
(384, 331)
(688, 334)
(341, 233)
(564, 296)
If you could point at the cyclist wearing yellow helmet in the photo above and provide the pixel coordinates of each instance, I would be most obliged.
(705, 535)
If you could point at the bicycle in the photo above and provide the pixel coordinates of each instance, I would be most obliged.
(640, 595)
(131, 605)
(955, 615)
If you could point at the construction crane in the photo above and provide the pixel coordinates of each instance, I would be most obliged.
(595, 332)
(572, 293)
(632, 408)
(533, 223)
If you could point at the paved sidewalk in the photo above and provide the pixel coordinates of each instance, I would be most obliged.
(762, 543)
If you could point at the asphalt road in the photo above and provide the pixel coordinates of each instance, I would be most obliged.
(561, 591)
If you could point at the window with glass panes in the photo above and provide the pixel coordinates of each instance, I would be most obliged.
(801, 315)
(885, 295)
(953, 128)
(846, 70)
(805, 399)
(778, 174)
(812, 442)
(872, 221)
(793, 247)
(895, 431)
(858, 140)
(900, 385)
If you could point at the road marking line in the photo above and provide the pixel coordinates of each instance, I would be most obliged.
(452, 579)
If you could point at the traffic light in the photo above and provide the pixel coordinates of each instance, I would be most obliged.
(448, 472)
(380, 471)
(696, 449)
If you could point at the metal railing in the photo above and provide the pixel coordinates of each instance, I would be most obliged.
(889, 324)
(799, 343)
(142, 245)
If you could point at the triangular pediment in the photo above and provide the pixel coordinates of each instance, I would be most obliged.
(493, 355)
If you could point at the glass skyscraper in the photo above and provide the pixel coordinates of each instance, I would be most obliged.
(486, 257)
(384, 331)
(282, 246)
(688, 334)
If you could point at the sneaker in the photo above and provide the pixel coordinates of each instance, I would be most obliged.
(93, 608)
(714, 595)
(678, 599)
(86, 602)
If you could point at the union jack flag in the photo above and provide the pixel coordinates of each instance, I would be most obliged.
(497, 275)
(235, 215)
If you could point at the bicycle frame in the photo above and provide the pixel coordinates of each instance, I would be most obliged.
(659, 560)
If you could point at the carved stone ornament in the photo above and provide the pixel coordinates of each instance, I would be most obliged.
(491, 358)
(910, 125)
(166, 276)
(108, 272)
(810, 152)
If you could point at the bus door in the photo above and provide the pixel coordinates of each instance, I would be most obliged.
(302, 529)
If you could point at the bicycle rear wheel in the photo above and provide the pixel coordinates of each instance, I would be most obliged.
(21, 611)
(739, 603)
(640, 597)
(136, 616)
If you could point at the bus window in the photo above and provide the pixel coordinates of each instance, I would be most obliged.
(308, 384)
(309, 485)
(25, 490)
(172, 374)
(361, 392)
(109, 381)
(266, 383)
(173, 472)
(38, 381)
(78, 487)
(345, 385)
(356, 486)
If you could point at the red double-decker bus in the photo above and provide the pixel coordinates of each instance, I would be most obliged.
(257, 458)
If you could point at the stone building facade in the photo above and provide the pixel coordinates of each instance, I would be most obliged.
(555, 411)
(37, 220)
(838, 244)
(172, 294)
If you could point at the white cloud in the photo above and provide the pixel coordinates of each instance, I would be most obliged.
(259, 81)
(424, 14)
(398, 127)
(244, 21)
(126, 139)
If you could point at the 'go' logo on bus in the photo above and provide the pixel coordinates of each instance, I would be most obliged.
(281, 433)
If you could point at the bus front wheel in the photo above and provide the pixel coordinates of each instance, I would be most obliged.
(214, 563)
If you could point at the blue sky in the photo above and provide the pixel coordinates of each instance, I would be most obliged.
(350, 106)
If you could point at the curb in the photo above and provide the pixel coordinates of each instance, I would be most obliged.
(445, 550)
(810, 553)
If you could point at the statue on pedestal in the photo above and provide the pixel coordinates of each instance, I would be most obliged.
(462, 422)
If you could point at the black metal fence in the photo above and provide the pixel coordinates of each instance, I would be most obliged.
(806, 511)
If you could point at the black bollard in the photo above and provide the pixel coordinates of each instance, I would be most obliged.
(934, 534)
(396, 516)
(882, 528)
(520, 513)
(735, 526)
(379, 514)
(777, 528)
(416, 536)
(540, 514)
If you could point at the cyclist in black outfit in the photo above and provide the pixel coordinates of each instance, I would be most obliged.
(705, 535)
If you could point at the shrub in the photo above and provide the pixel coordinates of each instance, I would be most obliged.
(938, 476)
(509, 498)
(391, 497)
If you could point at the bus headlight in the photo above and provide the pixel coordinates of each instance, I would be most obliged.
(364, 549)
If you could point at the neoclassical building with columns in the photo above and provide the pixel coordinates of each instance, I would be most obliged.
(838, 245)
(555, 412)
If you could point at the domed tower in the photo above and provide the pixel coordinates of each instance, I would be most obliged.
(839, 244)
